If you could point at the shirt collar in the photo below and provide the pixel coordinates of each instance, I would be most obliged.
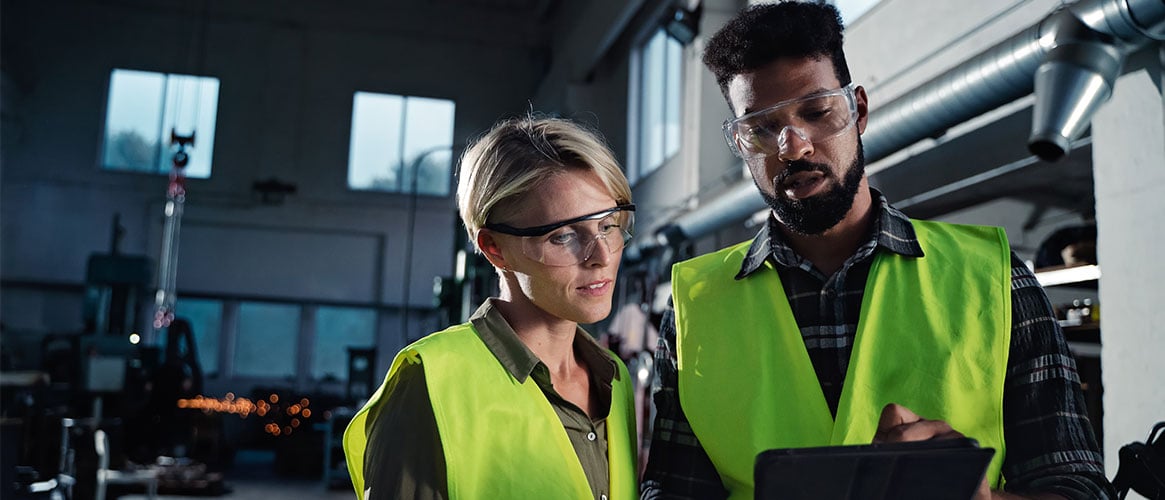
(519, 360)
(892, 231)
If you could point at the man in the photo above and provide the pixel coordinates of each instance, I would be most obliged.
(843, 321)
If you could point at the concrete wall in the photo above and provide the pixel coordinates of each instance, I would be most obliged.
(1129, 160)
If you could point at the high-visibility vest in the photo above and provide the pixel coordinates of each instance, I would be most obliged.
(933, 336)
(501, 438)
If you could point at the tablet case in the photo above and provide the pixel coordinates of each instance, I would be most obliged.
(937, 469)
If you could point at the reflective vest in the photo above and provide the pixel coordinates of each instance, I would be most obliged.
(933, 336)
(501, 438)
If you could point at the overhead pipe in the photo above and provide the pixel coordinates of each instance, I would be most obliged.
(1070, 59)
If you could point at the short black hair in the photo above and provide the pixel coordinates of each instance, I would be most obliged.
(761, 34)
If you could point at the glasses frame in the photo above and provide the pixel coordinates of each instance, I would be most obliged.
(546, 229)
(730, 125)
(588, 250)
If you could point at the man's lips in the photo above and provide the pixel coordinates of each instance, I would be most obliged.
(801, 184)
(796, 180)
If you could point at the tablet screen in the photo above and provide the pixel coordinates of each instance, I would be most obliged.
(937, 469)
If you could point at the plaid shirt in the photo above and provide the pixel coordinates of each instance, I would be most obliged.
(1050, 444)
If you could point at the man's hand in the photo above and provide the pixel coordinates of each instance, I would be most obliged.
(899, 424)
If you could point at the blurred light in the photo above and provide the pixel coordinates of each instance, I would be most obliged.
(306, 413)
(241, 406)
(295, 422)
(304, 402)
(134, 338)
(274, 398)
(1068, 275)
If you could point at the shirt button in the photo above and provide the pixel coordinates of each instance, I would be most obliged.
(591, 436)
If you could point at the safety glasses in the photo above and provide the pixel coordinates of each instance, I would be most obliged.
(573, 241)
(812, 118)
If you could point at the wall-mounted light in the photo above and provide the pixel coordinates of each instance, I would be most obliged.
(272, 191)
(684, 23)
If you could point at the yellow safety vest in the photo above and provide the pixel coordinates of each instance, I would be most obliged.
(514, 444)
(933, 336)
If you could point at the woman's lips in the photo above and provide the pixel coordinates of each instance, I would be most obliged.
(596, 288)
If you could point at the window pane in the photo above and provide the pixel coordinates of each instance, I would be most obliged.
(143, 107)
(132, 119)
(673, 98)
(205, 317)
(266, 339)
(652, 97)
(393, 135)
(374, 152)
(191, 106)
(429, 139)
(338, 328)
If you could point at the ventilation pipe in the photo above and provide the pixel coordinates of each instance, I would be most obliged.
(1070, 59)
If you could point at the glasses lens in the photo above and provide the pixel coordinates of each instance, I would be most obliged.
(760, 133)
(575, 243)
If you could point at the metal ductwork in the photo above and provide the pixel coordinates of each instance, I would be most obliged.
(1070, 59)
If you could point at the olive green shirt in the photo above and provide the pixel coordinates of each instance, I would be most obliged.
(404, 457)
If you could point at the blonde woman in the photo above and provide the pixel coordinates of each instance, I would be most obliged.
(519, 402)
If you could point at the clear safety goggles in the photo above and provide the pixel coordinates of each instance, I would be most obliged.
(812, 118)
(573, 241)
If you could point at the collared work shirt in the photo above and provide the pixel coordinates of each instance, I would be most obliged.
(405, 458)
(1050, 444)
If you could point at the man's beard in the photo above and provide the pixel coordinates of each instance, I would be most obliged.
(816, 214)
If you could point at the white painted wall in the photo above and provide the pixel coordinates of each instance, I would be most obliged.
(1129, 159)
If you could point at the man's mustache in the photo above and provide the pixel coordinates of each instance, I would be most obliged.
(798, 166)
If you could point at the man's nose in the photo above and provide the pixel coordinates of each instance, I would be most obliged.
(794, 144)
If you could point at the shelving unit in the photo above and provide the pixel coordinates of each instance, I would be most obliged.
(335, 467)
(1083, 337)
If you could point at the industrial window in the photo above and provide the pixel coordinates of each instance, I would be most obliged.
(655, 104)
(394, 137)
(337, 329)
(205, 317)
(145, 107)
(266, 340)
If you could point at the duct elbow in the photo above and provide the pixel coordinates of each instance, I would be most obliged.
(1089, 40)
(1071, 84)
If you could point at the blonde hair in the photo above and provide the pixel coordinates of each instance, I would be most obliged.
(515, 155)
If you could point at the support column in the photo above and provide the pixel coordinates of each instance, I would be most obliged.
(1128, 144)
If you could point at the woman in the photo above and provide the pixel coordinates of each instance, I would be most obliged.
(519, 402)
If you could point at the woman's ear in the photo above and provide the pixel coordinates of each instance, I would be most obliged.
(491, 249)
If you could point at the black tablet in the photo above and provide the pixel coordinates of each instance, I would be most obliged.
(937, 469)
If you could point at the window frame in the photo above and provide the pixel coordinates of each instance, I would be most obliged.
(402, 151)
(162, 149)
(672, 82)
